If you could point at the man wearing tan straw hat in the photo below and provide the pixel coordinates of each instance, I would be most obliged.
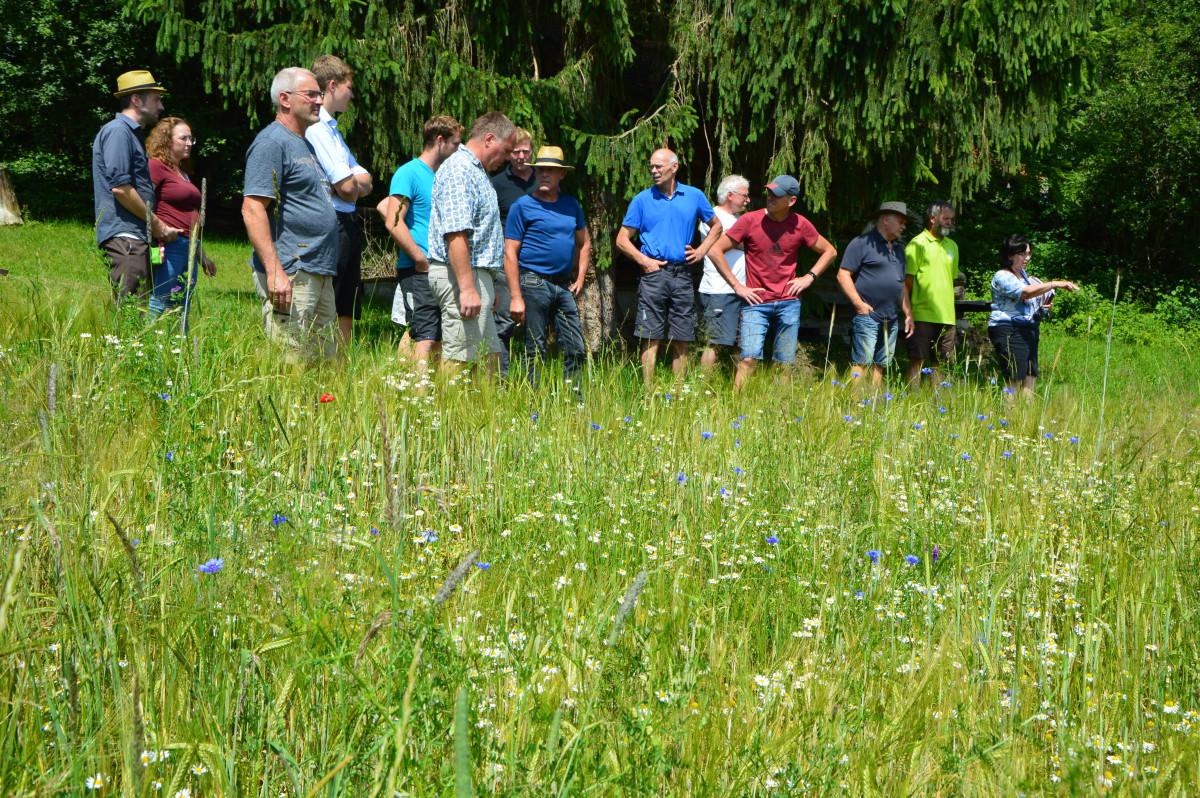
(122, 187)
(546, 254)
(872, 278)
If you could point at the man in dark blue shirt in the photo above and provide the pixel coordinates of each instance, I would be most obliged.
(122, 187)
(664, 218)
(547, 250)
(872, 278)
(514, 182)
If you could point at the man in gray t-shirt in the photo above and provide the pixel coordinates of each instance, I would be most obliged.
(872, 278)
(290, 220)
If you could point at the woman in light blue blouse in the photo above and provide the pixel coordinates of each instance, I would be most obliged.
(1018, 306)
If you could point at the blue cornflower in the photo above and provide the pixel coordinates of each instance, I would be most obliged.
(1049, 435)
(735, 424)
(887, 397)
(706, 435)
(429, 536)
(743, 416)
(874, 554)
(1003, 423)
(945, 384)
(483, 566)
(1009, 391)
(991, 427)
(170, 457)
(374, 531)
(1073, 439)
(917, 425)
(866, 401)
(1006, 454)
(724, 491)
(835, 382)
(533, 418)
(738, 443)
(966, 456)
(739, 471)
(628, 419)
(771, 539)
(954, 436)
(667, 397)
(166, 397)
(942, 409)
(911, 559)
(858, 594)
(981, 416)
(681, 478)
(847, 418)
(927, 370)
(856, 374)
(212, 566)
(595, 425)
(278, 519)
(136, 541)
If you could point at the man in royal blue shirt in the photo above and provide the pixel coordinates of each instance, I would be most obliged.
(664, 218)
(546, 254)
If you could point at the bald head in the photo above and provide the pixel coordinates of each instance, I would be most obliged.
(663, 166)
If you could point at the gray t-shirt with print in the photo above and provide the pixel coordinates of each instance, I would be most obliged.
(283, 167)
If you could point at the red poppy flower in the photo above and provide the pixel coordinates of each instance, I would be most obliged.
(325, 398)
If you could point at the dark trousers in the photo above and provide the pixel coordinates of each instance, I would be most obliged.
(129, 267)
(505, 326)
(548, 301)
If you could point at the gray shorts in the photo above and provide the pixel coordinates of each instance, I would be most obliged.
(465, 340)
(719, 322)
(667, 304)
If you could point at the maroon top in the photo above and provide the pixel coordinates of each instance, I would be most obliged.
(176, 199)
(772, 250)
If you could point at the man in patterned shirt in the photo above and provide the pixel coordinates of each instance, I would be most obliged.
(466, 243)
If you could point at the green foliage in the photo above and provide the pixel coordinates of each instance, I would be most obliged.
(882, 97)
(1128, 181)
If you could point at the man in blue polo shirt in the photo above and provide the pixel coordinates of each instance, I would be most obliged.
(546, 254)
(664, 218)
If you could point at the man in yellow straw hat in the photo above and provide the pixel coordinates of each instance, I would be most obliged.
(546, 254)
(122, 187)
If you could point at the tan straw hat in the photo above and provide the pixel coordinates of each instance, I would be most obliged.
(550, 156)
(893, 207)
(138, 80)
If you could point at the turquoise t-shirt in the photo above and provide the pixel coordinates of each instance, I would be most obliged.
(414, 182)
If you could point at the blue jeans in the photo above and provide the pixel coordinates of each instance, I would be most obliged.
(782, 316)
(169, 278)
(873, 341)
(547, 301)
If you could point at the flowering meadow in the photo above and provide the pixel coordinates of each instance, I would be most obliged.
(225, 576)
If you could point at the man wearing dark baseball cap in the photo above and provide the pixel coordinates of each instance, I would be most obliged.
(122, 187)
(872, 278)
(772, 239)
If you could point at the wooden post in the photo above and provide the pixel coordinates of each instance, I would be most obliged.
(10, 211)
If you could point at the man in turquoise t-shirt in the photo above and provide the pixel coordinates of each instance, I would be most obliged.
(932, 266)
(406, 215)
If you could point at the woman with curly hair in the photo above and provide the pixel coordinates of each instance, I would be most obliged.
(177, 202)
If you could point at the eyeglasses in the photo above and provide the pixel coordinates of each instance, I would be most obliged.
(740, 193)
(312, 95)
(186, 139)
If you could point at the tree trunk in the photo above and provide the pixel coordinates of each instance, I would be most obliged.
(10, 211)
(598, 302)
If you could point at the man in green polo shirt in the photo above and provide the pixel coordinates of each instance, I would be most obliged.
(932, 266)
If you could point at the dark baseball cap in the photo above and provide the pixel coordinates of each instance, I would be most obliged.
(783, 185)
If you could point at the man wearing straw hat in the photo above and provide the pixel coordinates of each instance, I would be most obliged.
(546, 254)
(872, 278)
(123, 189)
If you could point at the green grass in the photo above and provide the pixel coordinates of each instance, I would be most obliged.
(1050, 648)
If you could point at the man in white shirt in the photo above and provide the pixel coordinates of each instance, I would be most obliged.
(720, 305)
(349, 180)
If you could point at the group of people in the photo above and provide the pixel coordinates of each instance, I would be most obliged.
(481, 254)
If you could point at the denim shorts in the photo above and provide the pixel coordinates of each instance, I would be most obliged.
(873, 341)
(783, 317)
(722, 314)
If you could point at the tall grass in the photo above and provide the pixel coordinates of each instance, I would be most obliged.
(431, 594)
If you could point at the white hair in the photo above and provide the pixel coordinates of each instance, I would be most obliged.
(287, 79)
(731, 183)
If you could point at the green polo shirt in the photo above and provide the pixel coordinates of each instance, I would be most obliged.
(933, 264)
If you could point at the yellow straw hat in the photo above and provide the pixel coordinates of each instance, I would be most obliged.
(138, 80)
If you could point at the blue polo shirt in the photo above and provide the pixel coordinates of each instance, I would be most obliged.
(667, 225)
(546, 231)
(878, 273)
(414, 181)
